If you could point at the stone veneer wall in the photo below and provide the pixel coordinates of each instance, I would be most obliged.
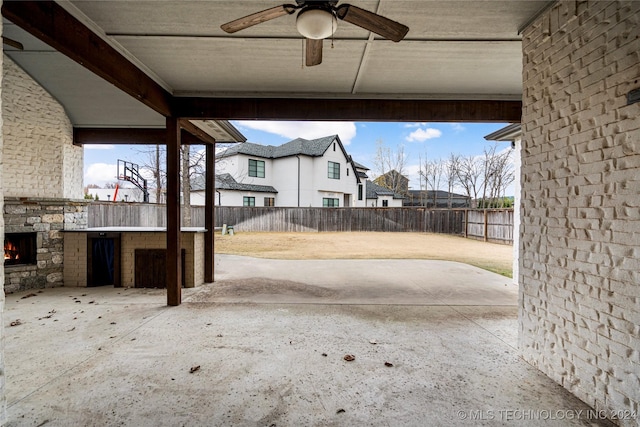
(47, 218)
(39, 157)
(580, 244)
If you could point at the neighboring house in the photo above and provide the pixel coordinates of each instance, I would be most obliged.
(378, 196)
(124, 195)
(229, 192)
(394, 180)
(306, 173)
(426, 198)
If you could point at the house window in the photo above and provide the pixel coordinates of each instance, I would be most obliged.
(360, 192)
(269, 201)
(347, 171)
(248, 201)
(334, 170)
(385, 203)
(256, 168)
(330, 203)
(334, 146)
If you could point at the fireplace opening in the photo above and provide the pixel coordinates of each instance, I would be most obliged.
(19, 248)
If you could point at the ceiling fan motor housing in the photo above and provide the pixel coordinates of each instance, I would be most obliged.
(317, 21)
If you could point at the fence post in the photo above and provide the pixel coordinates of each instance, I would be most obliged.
(486, 225)
(466, 223)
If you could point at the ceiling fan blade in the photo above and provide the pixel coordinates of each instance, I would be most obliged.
(12, 43)
(373, 22)
(258, 18)
(313, 52)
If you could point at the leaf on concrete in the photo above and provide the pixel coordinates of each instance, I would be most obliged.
(349, 357)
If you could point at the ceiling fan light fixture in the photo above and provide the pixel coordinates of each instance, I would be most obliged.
(316, 23)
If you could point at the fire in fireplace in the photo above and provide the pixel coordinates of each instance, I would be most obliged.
(19, 248)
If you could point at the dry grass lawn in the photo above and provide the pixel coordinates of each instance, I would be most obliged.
(365, 245)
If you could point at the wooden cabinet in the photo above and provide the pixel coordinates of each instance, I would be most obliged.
(151, 268)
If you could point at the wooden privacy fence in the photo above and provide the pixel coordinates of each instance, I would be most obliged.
(489, 225)
(109, 214)
(448, 221)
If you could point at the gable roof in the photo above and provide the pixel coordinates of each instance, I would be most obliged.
(226, 182)
(374, 191)
(360, 166)
(299, 146)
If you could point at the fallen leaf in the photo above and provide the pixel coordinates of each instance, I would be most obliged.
(219, 335)
(388, 364)
(113, 323)
(324, 354)
(15, 323)
(91, 302)
(29, 296)
(71, 329)
(340, 411)
(194, 369)
(374, 342)
(349, 357)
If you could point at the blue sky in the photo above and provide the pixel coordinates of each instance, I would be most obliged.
(435, 140)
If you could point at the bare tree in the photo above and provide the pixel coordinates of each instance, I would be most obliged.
(193, 164)
(433, 176)
(468, 173)
(153, 161)
(390, 165)
(498, 175)
(449, 169)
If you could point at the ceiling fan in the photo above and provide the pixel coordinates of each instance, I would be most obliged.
(318, 20)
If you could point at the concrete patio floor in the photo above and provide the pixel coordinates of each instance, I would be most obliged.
(266, 344)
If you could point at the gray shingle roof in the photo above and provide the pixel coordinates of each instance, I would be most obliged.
(374, 190)
(313, 148)
(226, 182)
(360, 166)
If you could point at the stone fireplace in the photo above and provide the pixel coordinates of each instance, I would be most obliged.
(20, 248)
(34, 243)
(41, 182)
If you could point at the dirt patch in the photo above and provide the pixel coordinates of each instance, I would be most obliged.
(262, 286)
(360, 245)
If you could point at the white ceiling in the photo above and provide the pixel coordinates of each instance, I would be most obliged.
(454, 50)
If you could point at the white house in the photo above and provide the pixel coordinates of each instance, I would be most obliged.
(305, 173)
(378, 196)
(308, 173)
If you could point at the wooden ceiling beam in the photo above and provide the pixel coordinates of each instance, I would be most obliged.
(130, 136)
(50, 23)
(194, 130)
(348, 109)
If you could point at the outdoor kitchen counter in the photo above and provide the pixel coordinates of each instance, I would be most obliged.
(78, 264)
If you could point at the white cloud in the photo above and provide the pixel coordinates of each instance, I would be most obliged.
(99, 146)
(308, 130)
(457, 127)
(415, 125)
(421, 135)
(100, 173)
